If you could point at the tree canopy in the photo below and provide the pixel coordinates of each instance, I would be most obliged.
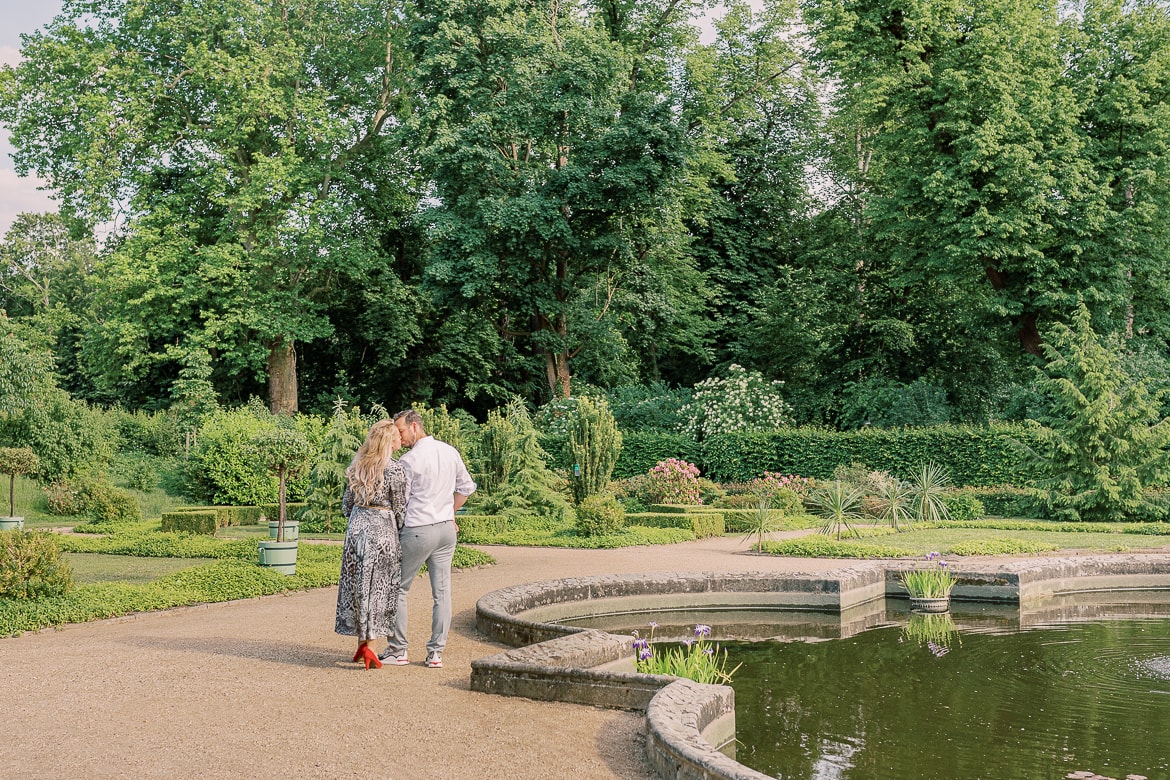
(882, 205)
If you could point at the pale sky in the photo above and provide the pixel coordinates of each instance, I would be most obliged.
(17, 194)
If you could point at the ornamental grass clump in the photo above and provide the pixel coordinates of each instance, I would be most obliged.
(934, 582)
(697, 659)
(675, 481)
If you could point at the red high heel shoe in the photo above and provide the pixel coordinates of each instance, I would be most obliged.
(369, 657)
(358, 655)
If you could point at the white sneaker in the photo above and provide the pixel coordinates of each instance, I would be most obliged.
(394, 659)
(434, 661)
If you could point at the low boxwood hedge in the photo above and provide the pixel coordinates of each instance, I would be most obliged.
(192, 522)
(701, 524)
(228, 515)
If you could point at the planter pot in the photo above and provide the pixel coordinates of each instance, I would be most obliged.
(291, 529)
(281, 556)
(11, 523)
(942, 604)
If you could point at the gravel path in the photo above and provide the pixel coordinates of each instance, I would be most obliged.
(264, 689)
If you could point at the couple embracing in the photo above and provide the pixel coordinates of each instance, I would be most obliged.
(401, 515)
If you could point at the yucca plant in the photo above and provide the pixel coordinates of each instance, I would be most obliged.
(928, 488)
(836, 504)
(761, 522)
(894, 499)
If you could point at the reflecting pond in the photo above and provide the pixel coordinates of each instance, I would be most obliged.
(941, 702)
(962, 697)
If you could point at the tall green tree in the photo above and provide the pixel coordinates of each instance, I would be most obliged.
(751, 108)
(229, 134)
(1103, 440)
(1118, 55)
(553, 146)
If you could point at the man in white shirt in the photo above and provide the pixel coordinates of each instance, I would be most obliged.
(437, 485)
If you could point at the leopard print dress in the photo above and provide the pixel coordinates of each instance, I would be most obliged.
(371, 561)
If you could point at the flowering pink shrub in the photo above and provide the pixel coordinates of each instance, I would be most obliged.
(772, 482)
(675, 481)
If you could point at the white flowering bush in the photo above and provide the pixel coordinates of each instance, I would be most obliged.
(743, 401)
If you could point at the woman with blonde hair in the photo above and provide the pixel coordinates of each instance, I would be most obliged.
(371, 561)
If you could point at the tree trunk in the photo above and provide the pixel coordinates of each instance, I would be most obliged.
(1026, 328)
(556, 366)
(281, 511)
(282, 377)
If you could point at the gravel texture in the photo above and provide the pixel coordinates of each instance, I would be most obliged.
(263, 688)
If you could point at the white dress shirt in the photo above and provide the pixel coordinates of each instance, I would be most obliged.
(434, 474)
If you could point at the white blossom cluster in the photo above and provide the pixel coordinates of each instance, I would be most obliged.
(744, 401)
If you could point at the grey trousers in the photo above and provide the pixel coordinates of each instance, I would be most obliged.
(433, 545)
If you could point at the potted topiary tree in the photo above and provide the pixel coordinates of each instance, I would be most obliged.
(286, 451)
(15, 461)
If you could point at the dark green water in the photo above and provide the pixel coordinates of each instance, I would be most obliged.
(946, 704)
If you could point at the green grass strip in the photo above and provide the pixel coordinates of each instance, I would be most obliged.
(631, 536)
(234, 575)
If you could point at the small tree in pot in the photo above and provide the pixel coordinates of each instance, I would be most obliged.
(16, 461)
(286, 451)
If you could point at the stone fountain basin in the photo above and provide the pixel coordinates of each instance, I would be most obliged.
(687, 722)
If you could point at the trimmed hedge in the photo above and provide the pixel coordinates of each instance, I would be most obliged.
(701, 524)
(672, 509)
(192, 522)
(640, 451)
(229, 515)
(821, 546)
(1009, 501)
(971, 455)
(742, 521)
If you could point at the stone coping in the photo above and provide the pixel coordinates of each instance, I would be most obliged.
(686, 721)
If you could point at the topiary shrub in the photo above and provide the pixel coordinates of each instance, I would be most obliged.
(16, 461)
(31, 566)
(600, 514)
(743, 501)
(197, 522)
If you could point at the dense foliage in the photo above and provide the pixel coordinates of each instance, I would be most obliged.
(882, 207)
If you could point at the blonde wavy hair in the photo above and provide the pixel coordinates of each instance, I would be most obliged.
(366, 472)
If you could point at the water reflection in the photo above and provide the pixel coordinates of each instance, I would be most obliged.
(934, 631)
(1022, 704)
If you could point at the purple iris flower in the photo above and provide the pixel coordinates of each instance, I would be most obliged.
(646, 654)
(701, 630)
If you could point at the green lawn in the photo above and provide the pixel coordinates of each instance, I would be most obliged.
(943, 539)
(98, 567)
(879, 542)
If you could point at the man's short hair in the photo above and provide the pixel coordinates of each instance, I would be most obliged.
(411, 417)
